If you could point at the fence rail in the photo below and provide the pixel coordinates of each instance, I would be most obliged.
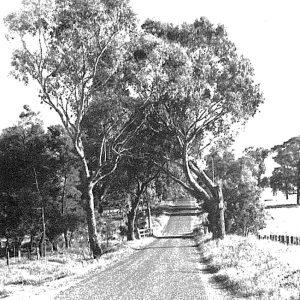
(285, 239)
(145, 232)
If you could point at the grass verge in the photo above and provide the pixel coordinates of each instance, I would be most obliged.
(38, 279)
(252, 268)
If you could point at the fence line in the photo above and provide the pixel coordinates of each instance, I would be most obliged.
(285, 239)
(145, 232)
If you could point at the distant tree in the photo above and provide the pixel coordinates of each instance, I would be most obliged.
(255, 157)
(286, 177)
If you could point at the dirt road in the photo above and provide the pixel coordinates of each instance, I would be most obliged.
(166, 269)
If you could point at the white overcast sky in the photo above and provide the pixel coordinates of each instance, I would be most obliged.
(265, 31)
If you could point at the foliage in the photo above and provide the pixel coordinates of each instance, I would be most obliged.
(181, 88)
(244, 212)
(286, 176)
(256, 158)
(200, 88)
(32, 163)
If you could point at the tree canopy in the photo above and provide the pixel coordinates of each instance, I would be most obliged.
(286, 177)
(157, 97)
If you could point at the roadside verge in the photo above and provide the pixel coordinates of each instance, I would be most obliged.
(245, 267)
(43, 279)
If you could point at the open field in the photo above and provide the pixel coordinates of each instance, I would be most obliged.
(283, 216)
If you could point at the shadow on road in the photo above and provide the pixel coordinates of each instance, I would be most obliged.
(180, 210)
(282, 206)
(184, 236)
(166, 247)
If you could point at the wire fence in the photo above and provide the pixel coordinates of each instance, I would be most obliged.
(285, 239)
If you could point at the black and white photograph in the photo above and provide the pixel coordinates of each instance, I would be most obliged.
(150, 150)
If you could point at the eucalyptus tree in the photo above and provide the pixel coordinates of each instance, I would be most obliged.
(75, 51)
(286, 177)
(201, 89)
(255, 158)
(244, 211)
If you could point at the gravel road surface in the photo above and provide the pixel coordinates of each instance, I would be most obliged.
(165, 269)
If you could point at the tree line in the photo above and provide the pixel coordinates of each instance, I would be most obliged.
(138, 103)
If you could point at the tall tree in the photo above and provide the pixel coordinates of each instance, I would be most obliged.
(200, 87)
(286, 177)
(75, 50)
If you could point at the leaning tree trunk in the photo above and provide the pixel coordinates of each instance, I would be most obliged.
(214, 199)
(88, 196)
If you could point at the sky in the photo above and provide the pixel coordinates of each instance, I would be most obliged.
(265, 31)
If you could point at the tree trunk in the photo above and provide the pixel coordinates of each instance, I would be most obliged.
(229, 223)
(7, 256)
(71, 239)
(298, 182)
(91, 220)
(66, 239)
(212, 217)
(131, 217)
(286, 190)
(131, 225)
(54, 245)
(149, 215)
(221, 212)
(30, 247)
(63, 203)
(42, 246)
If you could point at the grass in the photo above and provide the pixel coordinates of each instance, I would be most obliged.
(283, 220)
(282, 215)
(251, 268)
(25, 278)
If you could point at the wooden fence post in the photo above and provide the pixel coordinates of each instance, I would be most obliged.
(7, 256)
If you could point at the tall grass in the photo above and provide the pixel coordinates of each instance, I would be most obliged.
(252, 268)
